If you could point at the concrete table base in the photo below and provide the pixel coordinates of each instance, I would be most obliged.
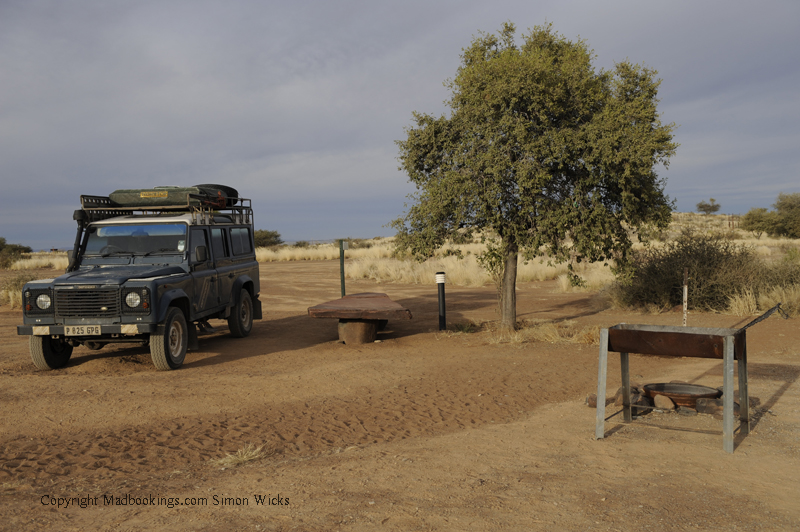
(353, 332)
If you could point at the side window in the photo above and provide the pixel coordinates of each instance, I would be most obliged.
(198, 239)
(218, 243)
(240, 240)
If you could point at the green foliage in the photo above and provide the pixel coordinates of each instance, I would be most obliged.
(759, 221)
(543, 150)
(10, 253)
(708, 207)
(718, 269)
(301, 244)
(493, 261)
(783, 221)
(264, 238)
(788, 210)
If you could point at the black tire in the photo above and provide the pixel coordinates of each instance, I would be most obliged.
(169, 348)
(48, 353)
(240, 322)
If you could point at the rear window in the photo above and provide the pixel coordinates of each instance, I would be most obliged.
(240, 240)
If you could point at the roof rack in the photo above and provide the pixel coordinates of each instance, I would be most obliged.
(239, 209)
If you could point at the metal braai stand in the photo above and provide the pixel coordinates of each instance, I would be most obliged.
(727, 344)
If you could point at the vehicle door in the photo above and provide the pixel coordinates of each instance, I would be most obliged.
(223, 263)
(205, 294)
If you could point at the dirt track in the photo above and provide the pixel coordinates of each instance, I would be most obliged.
(421, 431)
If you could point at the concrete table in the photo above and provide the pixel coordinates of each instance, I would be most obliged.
(360, 315)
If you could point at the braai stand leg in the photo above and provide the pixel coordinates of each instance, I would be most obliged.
(727, 396)
(744, 395)
(602, 369)
(624, 363)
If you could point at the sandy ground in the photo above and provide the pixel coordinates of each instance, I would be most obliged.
(420, 431)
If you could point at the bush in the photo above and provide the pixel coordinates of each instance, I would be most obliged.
(11, 289)
(719, 269)
(783, 221)
(787, 207)
(10, 253)
(264, 238)
(708, 207)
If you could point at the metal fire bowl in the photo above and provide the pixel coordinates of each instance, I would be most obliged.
(681, 394)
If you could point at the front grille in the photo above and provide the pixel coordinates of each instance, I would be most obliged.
(87, 303)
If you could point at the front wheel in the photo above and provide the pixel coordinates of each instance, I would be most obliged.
(49, 353)
(168, 349)
(240, 322)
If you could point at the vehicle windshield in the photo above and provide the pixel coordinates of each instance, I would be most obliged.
(136, 239)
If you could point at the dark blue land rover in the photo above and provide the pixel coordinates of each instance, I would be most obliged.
(148, 267)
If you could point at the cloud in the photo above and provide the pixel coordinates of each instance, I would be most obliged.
(299, 104)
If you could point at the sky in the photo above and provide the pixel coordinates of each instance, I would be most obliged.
(298, 104)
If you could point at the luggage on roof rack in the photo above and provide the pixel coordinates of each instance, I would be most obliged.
(219, 196)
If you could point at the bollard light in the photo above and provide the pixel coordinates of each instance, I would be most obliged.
(440, 281)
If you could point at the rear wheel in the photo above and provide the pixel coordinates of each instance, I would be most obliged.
(168, 349)
(240, 322)
(49, 353)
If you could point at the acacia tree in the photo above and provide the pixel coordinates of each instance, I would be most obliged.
(552, 156)
(708, 207)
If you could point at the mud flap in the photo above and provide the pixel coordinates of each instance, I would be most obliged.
(257, 310)
(192, 343)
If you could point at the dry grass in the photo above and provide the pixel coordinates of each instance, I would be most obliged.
(748, 304)
(382, 248)
(467, 271)
(546, 332)
(743, 304)
(56, 261)
(788, 296)
(248, 453)
(11, 289)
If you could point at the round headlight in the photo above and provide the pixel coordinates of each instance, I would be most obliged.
(133, 299)
(43, 301)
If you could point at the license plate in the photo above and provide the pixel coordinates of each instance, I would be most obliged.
(82, 330)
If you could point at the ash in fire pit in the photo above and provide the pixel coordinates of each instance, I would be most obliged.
(680, 393)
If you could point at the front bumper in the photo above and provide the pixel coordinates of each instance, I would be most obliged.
(118, 329)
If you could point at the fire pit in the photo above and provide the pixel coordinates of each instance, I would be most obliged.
(681, 394)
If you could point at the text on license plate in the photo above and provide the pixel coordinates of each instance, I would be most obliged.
(81, 330)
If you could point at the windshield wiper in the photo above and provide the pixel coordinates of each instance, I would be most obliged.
(119, 251)
(162, 250)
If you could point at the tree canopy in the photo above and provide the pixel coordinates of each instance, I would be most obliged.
(784, 220)
(265, 238)
(708, 207)
(540, 148)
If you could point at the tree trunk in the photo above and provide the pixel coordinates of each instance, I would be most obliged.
(508, 290)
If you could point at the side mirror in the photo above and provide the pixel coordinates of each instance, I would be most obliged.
(201, 254)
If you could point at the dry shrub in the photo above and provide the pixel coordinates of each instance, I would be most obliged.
(719, 269)
(11, 289)
(788, 296)
(248, 453)
(743, 304)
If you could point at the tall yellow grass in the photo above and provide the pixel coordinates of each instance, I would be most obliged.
(382, 249)
(467, 271)
(46, 260)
